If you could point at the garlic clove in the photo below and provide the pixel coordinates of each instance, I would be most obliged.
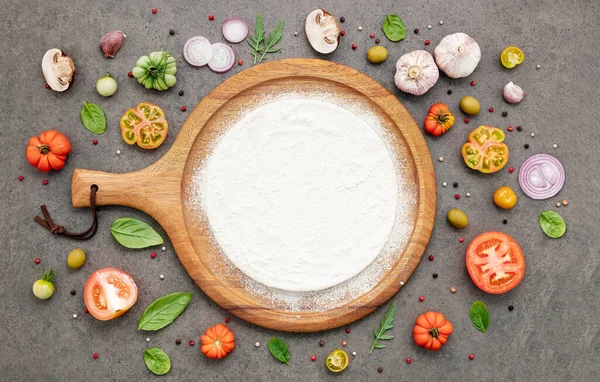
(416, 72)
(513, 93)
(111, 42)
(323, 31)
(457, 55)
(58, 69)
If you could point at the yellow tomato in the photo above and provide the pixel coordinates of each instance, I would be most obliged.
(337, 361)
(505, 197)
(511, 56)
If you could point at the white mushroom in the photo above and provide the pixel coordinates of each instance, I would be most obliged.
(58, 69)
(323, 31)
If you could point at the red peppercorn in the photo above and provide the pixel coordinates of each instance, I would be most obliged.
(45, 182)
(427, 42)
(344, 343)
(47, 86)
(37, 261)
(227, 319)
(191, 343)
(95, 355)
(313, 358)
(343, 32)
(130, 74)
(491, 109)
(462, 239)
(408, 360)
(471, 356)
(511, 169)
(240, 62)
(466, 120)
(372, 35)
(347, 330)
(354, 46)
(457, 196)
(153, 255)
(183, 108)
(211, 17)
(95, 141)
(422, 298)
(21, 178)
(431, 257)
(510, 128)
(154, 11)
(473, 83)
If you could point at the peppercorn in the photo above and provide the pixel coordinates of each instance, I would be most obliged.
(240, 62)
(45, 182)
(154, 11)
(191, 343)
(183, 108)
(37, 261)
(321, 343)
(466, 120)
(313, 358)
(431, 257)
(47, 86)
(130, 74)
(227, 319)
(519, 127)
(421, 298)
(456, 196)
(181, 92)
(347, 330)
(211, 17)
(171, 32)
(455, 184)
(379, 369)
(178, 342)
(510, 128)
(416, 30)
(462, 240)
(449, 91)
(95, 141)
(73, 292)
(504, 113)
(95, 355)
(354, 46)
(471, 356)
(153, 255)
(343, 32)
(377, 41)
(427, 42)
(526, 145)
(408, 360)
(372, 35)
(473, 83)
(504, 221)
(491, 109)
(342, 19)
(344, 343)
(435, 275)
(21, 178)
(510, 307)
(511, 169)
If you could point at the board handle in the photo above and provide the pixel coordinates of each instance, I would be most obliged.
(155, 193)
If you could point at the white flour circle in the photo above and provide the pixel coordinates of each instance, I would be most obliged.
(301, 195)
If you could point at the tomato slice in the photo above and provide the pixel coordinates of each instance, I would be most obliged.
(511, 56)
(145, 125)
(484, 150)
(495, 262)
(108, 293)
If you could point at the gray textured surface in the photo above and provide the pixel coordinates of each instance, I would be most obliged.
(552, 335)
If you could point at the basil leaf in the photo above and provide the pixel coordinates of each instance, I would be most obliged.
(279, 350)
(93, 118)
(552, 224)
(394, 28)
(479, 316)
(134, 233)
(164, 311)
(157, 361)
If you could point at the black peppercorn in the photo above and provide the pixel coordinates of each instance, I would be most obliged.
(379, 369)
(435, 275)
(504, 221)
(321, 343)
(449, 91)
(342, 19)
(172, 32)
(416, 30)
(504, 113)
(73, 292)
(181, 92)
(455, 184)
(178, 341)
(526, 145)
(377, 41)
(510, 307)
(519, 127)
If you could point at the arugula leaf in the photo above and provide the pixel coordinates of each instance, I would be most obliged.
(164, 311)
(552, 224)
(93, 118)
(134, 233)
(386, 324)
(279, 350)
(259, 36)
(274, 38)
(479, 316)
(393, 28)
(157, 361)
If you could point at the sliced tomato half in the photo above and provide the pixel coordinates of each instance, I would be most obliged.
(485, 150)
(145, 125)
(109, 292)
(495, 262)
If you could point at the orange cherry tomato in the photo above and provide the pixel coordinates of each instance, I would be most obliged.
(109, 293)
(439, 120)
(484, 150)
(432, 330)
(48, 151)
(505, 197)
(145, 125)
(217, 342)
(495, 262)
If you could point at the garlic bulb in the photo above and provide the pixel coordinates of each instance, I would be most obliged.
(513, 93)
(416, 72)
(457, 55)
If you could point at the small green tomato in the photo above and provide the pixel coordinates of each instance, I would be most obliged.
(43, 288)
(106, 86)
(76, 258)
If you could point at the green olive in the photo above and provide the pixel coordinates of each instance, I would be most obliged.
(377, 54)
(457, 218)
(76, 258)
(469, 105)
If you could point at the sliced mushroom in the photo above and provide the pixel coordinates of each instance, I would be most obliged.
(58, 69)
(323, 31)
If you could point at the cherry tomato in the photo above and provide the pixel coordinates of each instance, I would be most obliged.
(511, 56)
(109, 293)
(145, 125)
(495, 262)
(505, 197)
(484, 150)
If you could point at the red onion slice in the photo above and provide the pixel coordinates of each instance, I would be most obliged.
(223, 58)
(541, 176)
(235, 30)
(198, 51)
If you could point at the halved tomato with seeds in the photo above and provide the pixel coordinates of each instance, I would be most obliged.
(145, 125)
(495, 262)
(108, 293)
(484, 150)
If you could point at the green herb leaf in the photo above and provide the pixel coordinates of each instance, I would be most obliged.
(394, 28)
(279, 350)
(157, 361)
(164, 311)
(259, 36)
(93, 118)
(134, 233)
(274, 38)
(386, 324)
(552, 224)
(479, 316)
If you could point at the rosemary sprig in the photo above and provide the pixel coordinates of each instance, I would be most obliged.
(386, 324)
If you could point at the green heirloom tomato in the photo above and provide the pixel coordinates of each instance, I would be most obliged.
(156, 70)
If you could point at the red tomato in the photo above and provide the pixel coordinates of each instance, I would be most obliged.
(109, 293)
(48, 151)
(495, 262)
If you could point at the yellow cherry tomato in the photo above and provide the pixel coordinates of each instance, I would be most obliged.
(511, 56)
(337, 360)
(505, 197)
